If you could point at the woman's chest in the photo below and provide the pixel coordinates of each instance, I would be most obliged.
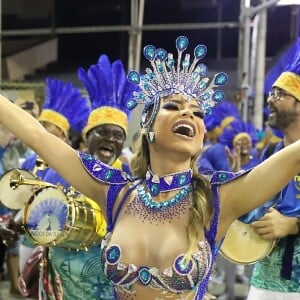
(143, 243)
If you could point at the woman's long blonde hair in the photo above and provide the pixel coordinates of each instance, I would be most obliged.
(201, 209)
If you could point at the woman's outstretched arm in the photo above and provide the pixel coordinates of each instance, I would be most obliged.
(58, 154)
(259, 185)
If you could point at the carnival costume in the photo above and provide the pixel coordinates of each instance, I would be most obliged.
(68, 274)
(279, 271)
(214, 156)
(108, 90)
(165, 78)
(239, 129)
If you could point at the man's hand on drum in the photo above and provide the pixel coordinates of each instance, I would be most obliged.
(274, 225)
(10, 233)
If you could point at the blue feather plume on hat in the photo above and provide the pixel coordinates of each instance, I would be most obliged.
(107, 84)
(66, 99)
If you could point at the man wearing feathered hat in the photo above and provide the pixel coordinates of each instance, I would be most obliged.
(105, 133)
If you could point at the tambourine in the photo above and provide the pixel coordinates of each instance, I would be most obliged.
(242, 245)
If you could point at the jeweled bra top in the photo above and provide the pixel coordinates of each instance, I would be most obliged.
(178, 278)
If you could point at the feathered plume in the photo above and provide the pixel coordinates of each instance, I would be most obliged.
(66, 99)
(238, 126)
(107, 84)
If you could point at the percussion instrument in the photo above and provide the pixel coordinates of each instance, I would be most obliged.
(242, 245)
(54, 218)
(13, 194)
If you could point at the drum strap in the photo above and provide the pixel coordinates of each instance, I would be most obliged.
(287, 258)
(127, 193)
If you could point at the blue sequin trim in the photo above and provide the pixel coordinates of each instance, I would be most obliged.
(103, 172)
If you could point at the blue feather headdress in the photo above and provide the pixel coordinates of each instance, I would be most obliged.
(238, 128)
(109, 92)
(223, 114)
(289, 80)
(64, 106)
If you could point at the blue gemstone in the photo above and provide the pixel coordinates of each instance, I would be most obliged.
(131, 104)
(144, 275)
(202, 84)
(149, 52)
(182, 179)
(161, 54)
(113, 254)
(223, 176)
(205, 96)
(108, 174)
(181, 43)
(155, 189)
(181, 267)
(218, 96)
(202, 69)
(160, 68)
(200, 51)
(133, 77)
(221, 78)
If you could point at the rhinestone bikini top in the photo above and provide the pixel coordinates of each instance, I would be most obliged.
(178, 278)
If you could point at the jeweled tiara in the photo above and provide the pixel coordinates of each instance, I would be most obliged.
(166, 77)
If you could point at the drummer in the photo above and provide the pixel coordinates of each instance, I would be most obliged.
(104, 134)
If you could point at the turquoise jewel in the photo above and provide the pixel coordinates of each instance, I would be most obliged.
(180, 266)
(223, 176)
(200, 51)
(221, 78)
(202, 69)
(133, 77)
(205, 96)
(144, 275)
(202, 84)
(131, 104)
(218, 96)
(181, 43)
(108, 174)
(182, 179)
(113, 254)
(161, 54)
(149, 52)
(154, 189)
(147, 200)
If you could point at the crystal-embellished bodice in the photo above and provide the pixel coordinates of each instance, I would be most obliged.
(177, 278)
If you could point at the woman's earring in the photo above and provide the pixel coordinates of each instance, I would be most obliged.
(151, 136)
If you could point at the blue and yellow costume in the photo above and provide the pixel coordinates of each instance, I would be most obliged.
(279, 271)
(81, 272)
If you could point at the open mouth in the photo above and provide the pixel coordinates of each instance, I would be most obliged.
(184, 129)
(106, 151)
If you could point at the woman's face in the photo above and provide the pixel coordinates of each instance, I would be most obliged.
(179, 125)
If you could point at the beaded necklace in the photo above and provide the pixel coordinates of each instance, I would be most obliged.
(170, 182)
(154, 212)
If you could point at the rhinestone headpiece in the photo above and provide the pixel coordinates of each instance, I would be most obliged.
(166, 77)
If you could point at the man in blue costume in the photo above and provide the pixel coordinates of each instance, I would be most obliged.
(277, 276)
(105, 134)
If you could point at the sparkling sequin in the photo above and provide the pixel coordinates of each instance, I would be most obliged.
(158, 212)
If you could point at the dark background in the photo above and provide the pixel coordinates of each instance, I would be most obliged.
(84, 48)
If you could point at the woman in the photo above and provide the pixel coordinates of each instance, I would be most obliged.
(161, 245)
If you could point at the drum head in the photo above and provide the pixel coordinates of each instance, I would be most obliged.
(46, 215)
(15, 198)
(243, 246)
